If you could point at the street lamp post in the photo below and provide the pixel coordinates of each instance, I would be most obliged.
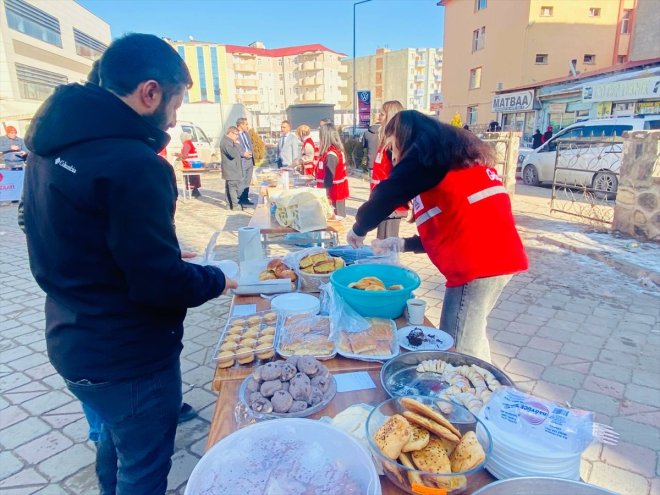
(354, 64)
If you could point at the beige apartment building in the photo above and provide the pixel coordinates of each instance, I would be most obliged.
(491, 45)
(43, 44)
(410, 75)
(264, 80)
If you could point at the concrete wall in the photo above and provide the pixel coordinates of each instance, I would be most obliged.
(646, 36)
(637, 210)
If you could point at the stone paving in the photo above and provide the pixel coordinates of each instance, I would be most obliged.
(571, 329)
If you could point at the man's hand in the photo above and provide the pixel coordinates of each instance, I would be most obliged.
(188, 254)
(383, 247)
(354, 240)
(247, 154)
(229, 284)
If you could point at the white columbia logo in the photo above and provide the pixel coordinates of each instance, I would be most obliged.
(65, 165)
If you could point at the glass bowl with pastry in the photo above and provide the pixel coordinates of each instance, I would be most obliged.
(375, 289)
(421, 448)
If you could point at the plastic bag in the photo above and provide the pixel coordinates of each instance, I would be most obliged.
(388, 255)
(549, 424)
(343, 317)
(309, 282)
(307, 336)
(304, 209)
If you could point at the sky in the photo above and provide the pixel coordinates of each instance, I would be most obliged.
(392, 24)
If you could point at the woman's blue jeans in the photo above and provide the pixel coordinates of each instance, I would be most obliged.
(465, 310)
(139, 419)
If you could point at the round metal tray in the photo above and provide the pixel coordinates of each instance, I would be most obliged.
(327, 397)
(540, 486)
(400, 378)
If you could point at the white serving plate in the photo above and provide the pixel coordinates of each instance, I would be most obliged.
(437, 340)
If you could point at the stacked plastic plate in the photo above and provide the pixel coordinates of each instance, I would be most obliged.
(514, 456)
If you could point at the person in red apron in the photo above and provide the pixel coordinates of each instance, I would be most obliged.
(309, 153)
(331, 170)
(463, 216)
(381, 168)
(188, 155)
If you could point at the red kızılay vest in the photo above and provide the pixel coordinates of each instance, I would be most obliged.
(467, 228)
(192, 153)
(339, 189)
(382, 167)
(309, 168)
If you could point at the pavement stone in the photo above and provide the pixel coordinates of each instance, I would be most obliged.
(645, 395)
(9, 464)
(567, 338)
(11, 415)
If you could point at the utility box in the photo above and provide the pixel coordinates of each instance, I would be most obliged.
(310, 114)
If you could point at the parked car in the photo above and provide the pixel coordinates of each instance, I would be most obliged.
(208, 151)
(596, 164)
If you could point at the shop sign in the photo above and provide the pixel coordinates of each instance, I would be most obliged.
(603, 109)
(634, 89)
(648, 107)
(519, 101)
(364, 108)
(436, 102)
(556, 107)
(11, 184)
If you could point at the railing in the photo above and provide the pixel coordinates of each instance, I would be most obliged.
(586, 178)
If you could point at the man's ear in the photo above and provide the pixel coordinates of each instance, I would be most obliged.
(151, 94)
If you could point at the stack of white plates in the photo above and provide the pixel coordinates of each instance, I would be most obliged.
(296, 303)
(514, 456)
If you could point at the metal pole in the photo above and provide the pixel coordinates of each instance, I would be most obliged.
(354, 64)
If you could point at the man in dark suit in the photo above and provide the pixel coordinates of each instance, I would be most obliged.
(232, 171)
(247, 159)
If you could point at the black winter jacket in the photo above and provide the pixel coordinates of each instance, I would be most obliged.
(99, 217)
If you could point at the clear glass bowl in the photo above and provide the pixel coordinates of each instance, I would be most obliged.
(398, 474)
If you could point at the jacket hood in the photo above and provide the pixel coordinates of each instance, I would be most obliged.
(76, 114)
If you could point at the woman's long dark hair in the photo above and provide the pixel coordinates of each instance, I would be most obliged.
(436, 144)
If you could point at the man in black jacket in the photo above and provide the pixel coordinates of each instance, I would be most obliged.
(370, 142)
(232, 170)
(99, 219)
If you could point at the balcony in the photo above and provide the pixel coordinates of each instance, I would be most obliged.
(420, 63)
(245, 67)
(244, 82)
(418, 93)
(420, 78)
(310, 65)
(311, 81)
(343, 83)
(247, 97)
(343, 68)
(314, 97)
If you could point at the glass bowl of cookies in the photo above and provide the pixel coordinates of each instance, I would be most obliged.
(421, 448)
(247, 339)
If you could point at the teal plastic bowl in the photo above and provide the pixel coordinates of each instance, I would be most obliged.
(384, 304)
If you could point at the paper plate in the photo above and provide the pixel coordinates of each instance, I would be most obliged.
(296, 303)
(434, 339)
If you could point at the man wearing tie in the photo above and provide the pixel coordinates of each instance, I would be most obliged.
(288, 147)
(247, 159)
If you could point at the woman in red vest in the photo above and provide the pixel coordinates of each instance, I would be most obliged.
(463, 216)
(331, 169)
(187, 155)
(382, 167)
(309, 154)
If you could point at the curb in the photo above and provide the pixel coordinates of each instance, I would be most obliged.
(631, 269)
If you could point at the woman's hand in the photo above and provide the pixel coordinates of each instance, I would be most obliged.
(230, 283)
(188, 254)
(386, 246)
(354, 240)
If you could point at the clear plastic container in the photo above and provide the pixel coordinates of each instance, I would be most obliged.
(292, 456)
(247, 339)
(307, 336)
(379, 341)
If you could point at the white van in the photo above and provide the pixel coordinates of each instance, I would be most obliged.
(597, 165)
(207, 150)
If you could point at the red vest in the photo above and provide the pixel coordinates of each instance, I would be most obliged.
(188, 151)
(382, 167)
(339, 189)
(467, 228)
(309, 167)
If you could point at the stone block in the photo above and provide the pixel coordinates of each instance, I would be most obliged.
(9, 464)
(554, 392)
(549, 345)
(512, 338)
(11, 415)
(23, 432)
(619, 480)
(67, 463)
(611, 372)
(604, 386)
(646, 378)
(44, 447)
(536, 356)
(21, 480)
(560, 376)
(14, 353)
(47, 402)
(183, 463)
(581, 351)
(645, 395)
(637, 433)
(631, 457)
(596, 402)
(13, 381)
(524, 368)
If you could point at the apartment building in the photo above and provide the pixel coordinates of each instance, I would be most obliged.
(263, 80)
(44, 44)
(410, 75)
(492, 45)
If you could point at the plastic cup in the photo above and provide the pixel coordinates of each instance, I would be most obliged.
(416, 310)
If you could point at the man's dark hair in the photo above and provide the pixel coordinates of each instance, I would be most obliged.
(241, 121)
(437, 144)
(93, 76)
(135, 58)
(285, 122)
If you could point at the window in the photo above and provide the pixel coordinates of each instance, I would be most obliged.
(594, 12)
(475, 78)
(478, 38)
(546, 11)
(216, 73)
(621, 59)
(281, 92)
(589, 59)
(202, 76)
(37, 84)
(26, 19)
(471, 115)
(625, 21)
(281, 77)
(182, 53)
(88, 47)
(480, 4)
(541, 59)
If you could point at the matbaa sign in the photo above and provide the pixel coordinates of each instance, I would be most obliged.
(520, 101)
(646, 88)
